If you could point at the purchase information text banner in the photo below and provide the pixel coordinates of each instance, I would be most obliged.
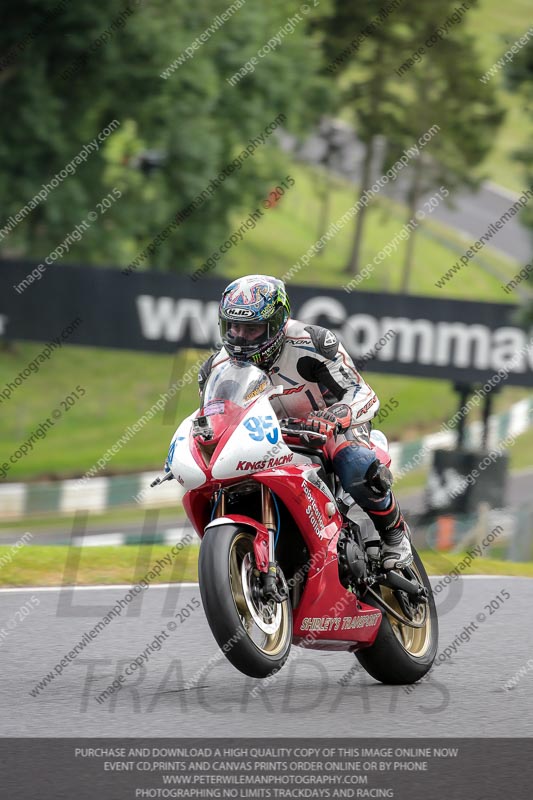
(406, 769)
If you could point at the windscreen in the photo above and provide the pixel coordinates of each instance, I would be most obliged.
(240, 383)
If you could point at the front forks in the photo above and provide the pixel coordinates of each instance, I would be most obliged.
(271, 583)
(268, 520)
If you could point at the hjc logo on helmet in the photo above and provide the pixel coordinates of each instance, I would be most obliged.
(238, 313)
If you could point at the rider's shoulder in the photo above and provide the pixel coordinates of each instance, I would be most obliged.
(219, 357)
(214, 360)
(323, 340)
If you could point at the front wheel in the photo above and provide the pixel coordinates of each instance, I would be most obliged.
(400, 653)
(255, 635)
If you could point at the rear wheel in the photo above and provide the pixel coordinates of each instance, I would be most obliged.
(401, 653)
(255, 635)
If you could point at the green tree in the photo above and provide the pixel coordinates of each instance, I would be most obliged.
(443, 89)
(520, 80)
(113, 56)
(440, 87)
(365, 76)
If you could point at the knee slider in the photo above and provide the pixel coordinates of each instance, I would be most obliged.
(378, 478)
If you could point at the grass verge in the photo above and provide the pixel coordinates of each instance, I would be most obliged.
(496, 26)
(443, 563)
(87, 566)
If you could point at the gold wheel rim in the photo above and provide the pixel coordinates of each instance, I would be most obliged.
(269, 644)
(415, 641)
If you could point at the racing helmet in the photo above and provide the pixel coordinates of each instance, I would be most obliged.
(253, 315)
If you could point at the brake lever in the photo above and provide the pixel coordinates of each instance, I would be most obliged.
(307, 436)
(312, 438)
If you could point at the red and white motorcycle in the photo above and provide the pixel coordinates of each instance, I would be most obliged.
(282, 560)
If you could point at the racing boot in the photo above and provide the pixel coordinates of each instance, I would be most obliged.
(396, 550)
(395, 535)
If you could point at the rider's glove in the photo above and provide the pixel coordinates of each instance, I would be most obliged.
(330, 421)
(321, 422)
(343, 415)
(326, 422)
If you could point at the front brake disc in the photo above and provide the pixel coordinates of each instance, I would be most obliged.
(260, 611)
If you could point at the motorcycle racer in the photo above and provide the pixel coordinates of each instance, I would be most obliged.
(321, 386)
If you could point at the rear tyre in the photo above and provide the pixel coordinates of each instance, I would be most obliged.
(254, 635)
(401, 654)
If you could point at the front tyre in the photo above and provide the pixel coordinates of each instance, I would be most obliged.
(254, 635)
(400, 653)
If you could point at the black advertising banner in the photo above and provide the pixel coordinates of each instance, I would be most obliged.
(161, 313)
(418, 769)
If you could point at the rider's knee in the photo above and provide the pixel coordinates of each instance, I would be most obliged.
(362, 475)
(378, 479)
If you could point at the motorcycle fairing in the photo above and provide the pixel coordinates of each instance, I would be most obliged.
(258, 428)
(182, 463)
(324, 597)
(329, 617)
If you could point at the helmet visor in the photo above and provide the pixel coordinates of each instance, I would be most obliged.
(246, 338)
